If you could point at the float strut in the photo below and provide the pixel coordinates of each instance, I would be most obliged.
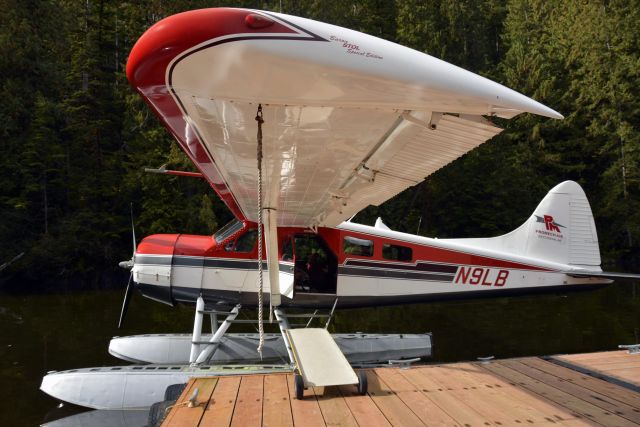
(197, 330)
(214, 322)
(215, 340)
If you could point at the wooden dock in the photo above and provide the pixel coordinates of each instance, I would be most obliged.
(618, 367)
(500, 393)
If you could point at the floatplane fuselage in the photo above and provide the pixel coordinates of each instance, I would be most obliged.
(363, 265)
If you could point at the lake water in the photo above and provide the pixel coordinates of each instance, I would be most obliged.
(40, 333)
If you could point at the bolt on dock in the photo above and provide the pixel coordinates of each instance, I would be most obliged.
(587, 389)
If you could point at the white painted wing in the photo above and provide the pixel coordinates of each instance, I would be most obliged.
(350, 119)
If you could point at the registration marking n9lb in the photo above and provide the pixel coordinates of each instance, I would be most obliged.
(481, 276)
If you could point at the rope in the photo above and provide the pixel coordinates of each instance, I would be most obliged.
(260, 121)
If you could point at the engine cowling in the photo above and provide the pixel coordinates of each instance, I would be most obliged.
(154, 262)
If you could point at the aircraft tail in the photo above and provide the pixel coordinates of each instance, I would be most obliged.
(561, 229)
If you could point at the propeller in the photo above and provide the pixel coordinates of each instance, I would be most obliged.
(128, 264)
(125, 302)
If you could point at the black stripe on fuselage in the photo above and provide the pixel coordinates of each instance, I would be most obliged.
(153, 259)
(393, 274)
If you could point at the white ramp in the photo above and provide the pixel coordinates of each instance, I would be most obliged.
(319, 359)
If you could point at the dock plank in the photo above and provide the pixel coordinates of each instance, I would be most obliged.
(599, 355)
(305, 412)
(597, 399)
(459, 411)
(393, 408)
(618, 367)
(480, 397)
(277, 409)
(576, 405)
(220, 408)
(363, 409)
(613, 363)
(610, 366)
(630, 374)
(499, 400)
(524, 399)
(421, 405)
(614, 391)
(335, 410)
(182, 415)
(248, 409)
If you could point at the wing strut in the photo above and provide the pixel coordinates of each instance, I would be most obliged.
(270, 218)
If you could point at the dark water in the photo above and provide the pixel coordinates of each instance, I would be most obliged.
(39, 333)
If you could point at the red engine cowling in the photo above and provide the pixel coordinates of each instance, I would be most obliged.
(155, 257)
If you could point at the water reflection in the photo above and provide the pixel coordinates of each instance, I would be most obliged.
(56, 332)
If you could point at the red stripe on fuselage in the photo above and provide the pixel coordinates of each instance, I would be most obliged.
(161, 44)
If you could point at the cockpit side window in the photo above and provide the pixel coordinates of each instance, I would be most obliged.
(247, 241)
(244, 243)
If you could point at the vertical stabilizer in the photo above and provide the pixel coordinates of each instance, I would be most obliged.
(561, 229)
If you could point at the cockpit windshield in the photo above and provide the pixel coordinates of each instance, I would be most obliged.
(228, 230)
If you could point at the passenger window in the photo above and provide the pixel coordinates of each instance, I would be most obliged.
(246, 242)
(396, 253)
(354, 246)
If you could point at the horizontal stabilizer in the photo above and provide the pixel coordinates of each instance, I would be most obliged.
(604, 275)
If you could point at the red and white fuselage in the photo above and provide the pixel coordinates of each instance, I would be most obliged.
(367, 266)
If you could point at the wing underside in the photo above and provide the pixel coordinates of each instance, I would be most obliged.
(323, 164)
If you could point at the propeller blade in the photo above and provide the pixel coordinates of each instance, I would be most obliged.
(125, 302)
(133, 231)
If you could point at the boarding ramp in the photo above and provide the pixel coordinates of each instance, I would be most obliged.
(319, 359)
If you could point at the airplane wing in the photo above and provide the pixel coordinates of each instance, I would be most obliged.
(350, 120)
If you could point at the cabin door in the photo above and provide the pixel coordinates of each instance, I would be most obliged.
(315, 266)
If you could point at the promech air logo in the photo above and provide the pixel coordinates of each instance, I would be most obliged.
(551, 228)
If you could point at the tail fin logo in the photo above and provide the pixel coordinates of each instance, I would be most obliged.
(551, 224)
(551, 227)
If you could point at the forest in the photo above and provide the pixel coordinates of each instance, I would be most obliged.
(75, 137)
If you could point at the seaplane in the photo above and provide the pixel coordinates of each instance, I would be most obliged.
(298, 125)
